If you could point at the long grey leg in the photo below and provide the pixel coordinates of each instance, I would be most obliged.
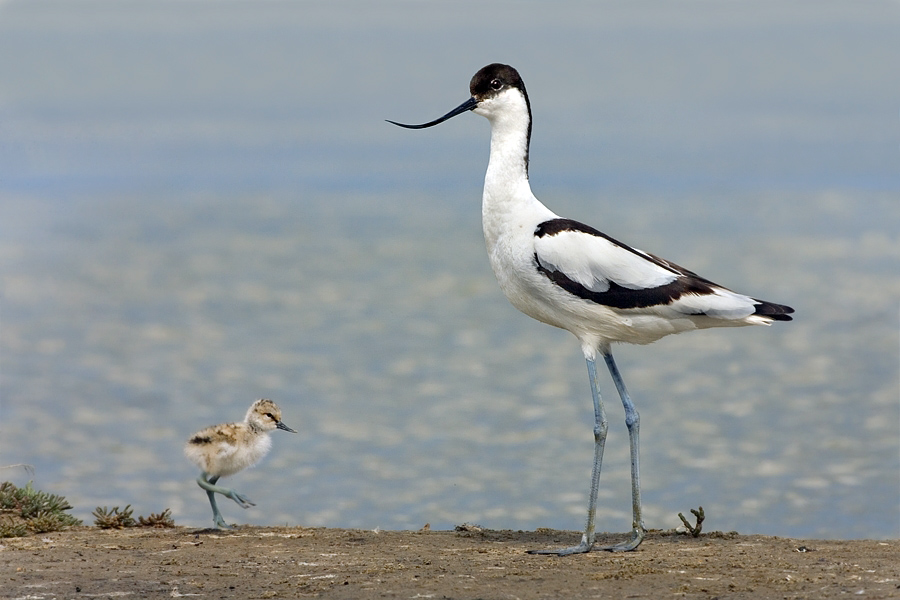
(217, 516)
(212, 489)
(633, 423)
(600, 428)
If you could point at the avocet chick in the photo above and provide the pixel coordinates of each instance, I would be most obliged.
(225, 449)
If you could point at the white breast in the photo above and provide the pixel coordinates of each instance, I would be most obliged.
(244, 455)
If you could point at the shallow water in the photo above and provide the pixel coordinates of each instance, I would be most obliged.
(201, 206)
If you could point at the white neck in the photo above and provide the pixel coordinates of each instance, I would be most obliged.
(507, 192)
(510, 131)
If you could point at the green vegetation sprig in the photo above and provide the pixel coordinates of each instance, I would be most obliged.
(113, 519)
(27, 510)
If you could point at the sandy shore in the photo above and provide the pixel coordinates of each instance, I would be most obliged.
(271, 562)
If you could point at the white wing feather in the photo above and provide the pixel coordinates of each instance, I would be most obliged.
(595, 261)
(721, 304)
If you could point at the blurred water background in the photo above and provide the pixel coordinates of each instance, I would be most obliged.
(201, 204)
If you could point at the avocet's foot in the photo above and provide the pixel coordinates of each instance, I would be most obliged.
(579, 549)
(220, 523)
(583, 547)
(637, 536)
(243, 501)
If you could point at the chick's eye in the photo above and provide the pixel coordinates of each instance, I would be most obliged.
(271, 416)
(496, 84)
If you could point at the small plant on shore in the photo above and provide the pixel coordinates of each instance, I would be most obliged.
(105, 518)
(163, 519)
(114, 518)
(694, 530)
(27, 510)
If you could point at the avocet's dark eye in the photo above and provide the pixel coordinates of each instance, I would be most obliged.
(271, 416)
(496, 84)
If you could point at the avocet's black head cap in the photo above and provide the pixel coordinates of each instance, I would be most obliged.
(487, 83)
(493, 79)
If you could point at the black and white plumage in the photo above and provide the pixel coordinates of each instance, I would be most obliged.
(597, 268)
(568, 274)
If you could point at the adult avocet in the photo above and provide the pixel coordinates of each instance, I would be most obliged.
(568, 274)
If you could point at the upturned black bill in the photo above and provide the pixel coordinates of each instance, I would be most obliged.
(466, 106)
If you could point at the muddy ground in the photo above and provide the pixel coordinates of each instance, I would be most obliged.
(296, 562)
